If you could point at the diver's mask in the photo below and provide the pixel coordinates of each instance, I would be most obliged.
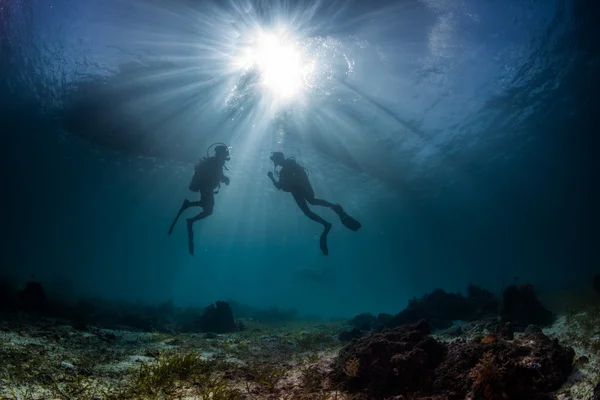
(225, 151)
(221, 148)
(277, 157)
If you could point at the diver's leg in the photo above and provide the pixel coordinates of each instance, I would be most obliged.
(207, 200)
(347, 220)
(301, 201)
(186, 204)
(319, 202)
(190, 221)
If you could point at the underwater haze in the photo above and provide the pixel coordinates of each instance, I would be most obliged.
(461, 134)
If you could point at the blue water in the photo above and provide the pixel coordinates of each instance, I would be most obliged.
(462, 134)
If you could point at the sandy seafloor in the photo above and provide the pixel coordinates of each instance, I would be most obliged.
(43, 359)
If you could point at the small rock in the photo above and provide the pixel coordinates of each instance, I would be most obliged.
(66, 365)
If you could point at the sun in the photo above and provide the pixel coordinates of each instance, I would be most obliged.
(279, 61)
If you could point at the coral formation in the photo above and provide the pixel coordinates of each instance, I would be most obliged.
(487, 377)
(531, 366)
(399, 361)
(407, 361)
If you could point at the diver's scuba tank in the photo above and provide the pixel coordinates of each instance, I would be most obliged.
(200, 172)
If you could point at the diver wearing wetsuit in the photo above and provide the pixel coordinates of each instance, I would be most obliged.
(208, 176)
(294, 179)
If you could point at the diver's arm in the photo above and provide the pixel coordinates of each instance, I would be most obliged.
(275, 183)
(224, 179)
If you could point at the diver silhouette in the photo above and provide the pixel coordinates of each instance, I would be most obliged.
(208, 175)
(294, 179)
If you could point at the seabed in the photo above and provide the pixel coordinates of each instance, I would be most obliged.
(46, 359)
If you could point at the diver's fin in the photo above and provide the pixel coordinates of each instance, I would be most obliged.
(190, 237)
(184, 206)
(323, 240)
(347, 220)
(323, 244)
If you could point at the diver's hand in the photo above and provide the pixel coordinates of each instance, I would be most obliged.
(226, 180)
(270, 174)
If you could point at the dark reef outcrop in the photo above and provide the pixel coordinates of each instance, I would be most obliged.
(364, 322)
(33, 302)
(521, 306)
(517, 308)
(406, 361)
(440, 308)
(217, 318)
(33, 298)
(347, 336)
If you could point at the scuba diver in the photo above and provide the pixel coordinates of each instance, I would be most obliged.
(294, 179)
(208, 175)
